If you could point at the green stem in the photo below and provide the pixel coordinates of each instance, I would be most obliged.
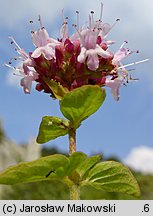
(74, 188)
(74, 192)
(72, 141)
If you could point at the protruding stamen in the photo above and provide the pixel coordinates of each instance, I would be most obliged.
(64, 18)
(64, 30)
(134, 63)
(40, 21)
(123, 44)
(101, 11)
(116, 21)
(15, 43)
(16, 58)
(90, 22)
(131, 78)
(92, 17)
(8, 65)
(19, 75)
(131, 69)
(32, 27)
(65, 22)
(77, 13)
(81, 38)
(131, 52)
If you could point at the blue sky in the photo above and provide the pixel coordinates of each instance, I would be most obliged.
(118, 127)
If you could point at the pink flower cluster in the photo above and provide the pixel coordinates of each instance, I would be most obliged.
(72, 61)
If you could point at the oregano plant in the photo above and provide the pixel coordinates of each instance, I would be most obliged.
(74, 69)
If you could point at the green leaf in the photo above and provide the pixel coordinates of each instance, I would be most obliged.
(87, 164)
(76, 159)
(45, 168)
(58, 90)
(82, 102)
(112, 176)
(52, 127)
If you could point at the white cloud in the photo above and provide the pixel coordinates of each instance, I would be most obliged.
(14, 12)
(135, 21)
(140, 159)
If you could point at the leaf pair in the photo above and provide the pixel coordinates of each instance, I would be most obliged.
(77, 169)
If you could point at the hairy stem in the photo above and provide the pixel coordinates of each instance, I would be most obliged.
(74, 192)
(72, 141)
(74, 187)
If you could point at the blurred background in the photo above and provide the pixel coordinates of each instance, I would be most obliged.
(11, 153)
(122, 130)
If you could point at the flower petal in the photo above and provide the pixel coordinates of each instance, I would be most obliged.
(92, 61)
(82, 56)
(36, 53)
(26, 83)
(119, 55)
(47, 52)
(40, 38)
(64, 31)
(101, 52)
(114, 85)
(105, 29)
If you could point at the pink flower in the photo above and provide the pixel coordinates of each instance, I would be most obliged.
(26, 70)
(64, 30)
(91, 44)
(45, 45)
(114, 84)
(92, 56)
(27, 78)
(93, 40)
(26, 81)
(120, 54)
(83, 58)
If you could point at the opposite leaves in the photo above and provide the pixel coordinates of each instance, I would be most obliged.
(109, 176)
